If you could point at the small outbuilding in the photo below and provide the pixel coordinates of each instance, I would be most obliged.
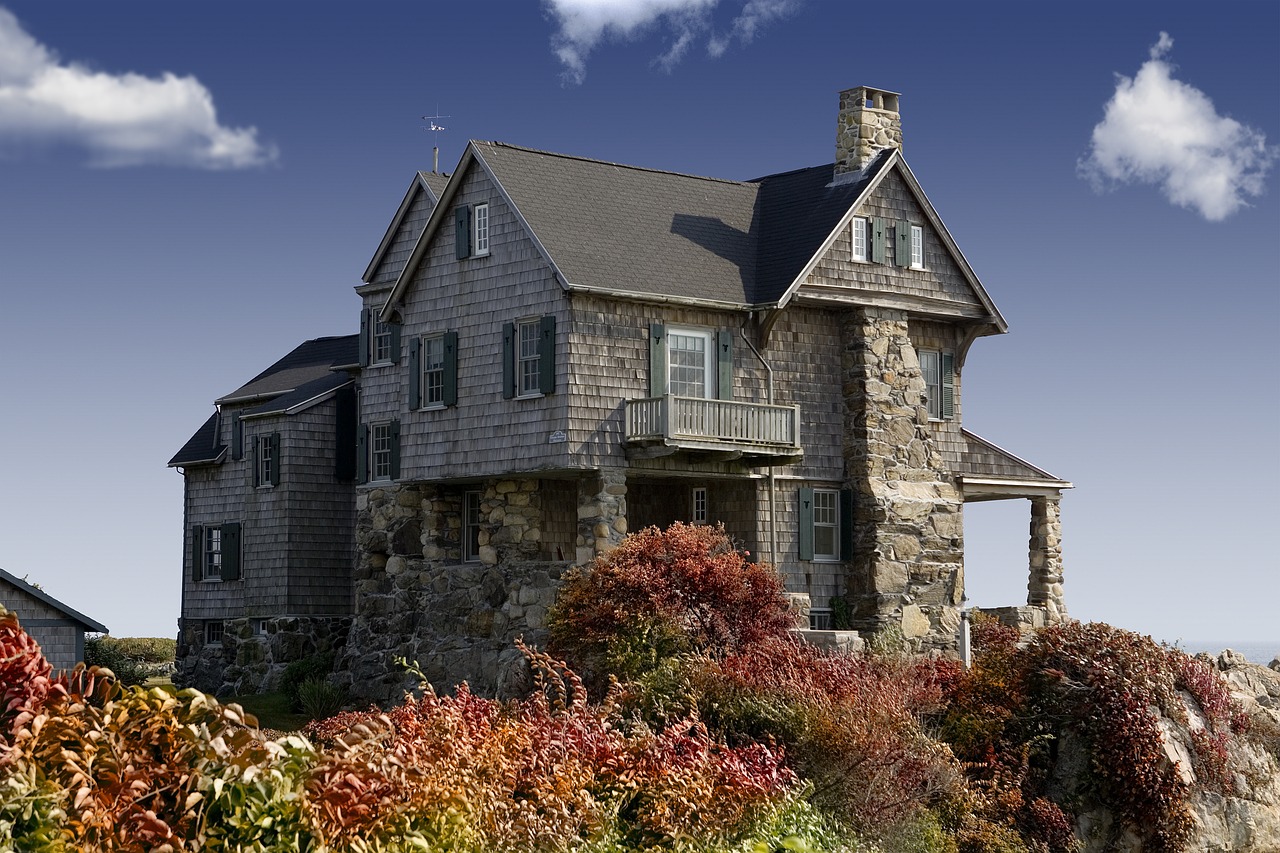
(56, 627)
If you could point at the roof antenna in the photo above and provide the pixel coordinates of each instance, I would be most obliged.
(435, 128)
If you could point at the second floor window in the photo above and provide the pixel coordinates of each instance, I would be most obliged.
(689, 363)
(433, 371)
(212, 568)
(530, 358)
(266, 460)
(381, 342)
(215, 552)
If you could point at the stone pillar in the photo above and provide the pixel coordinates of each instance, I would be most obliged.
(907, 567)
(1044, 586)
(602, 514)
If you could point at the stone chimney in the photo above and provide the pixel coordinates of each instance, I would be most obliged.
(869, 123)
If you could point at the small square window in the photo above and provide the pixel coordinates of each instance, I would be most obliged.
(698, 508)
(213, 633)
(480, 230)
(917, 247)
(259, 627)
(859, 239)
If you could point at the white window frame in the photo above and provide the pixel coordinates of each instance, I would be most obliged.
(826, 517)
(708, 361)
(917, 247)
(527, 353)
(264, 461)
(931, 372)
(471, 526)
(211, 554)
(433, 372)
(213, 631)
(380, 342)
(480, 230)
(380, 456)
(858, 238)
(259, 625)
(698, 505)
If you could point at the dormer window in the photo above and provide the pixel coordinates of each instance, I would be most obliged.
(859, 238)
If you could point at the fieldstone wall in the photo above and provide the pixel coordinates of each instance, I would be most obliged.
(249, 662)
(907, 568)
(1044, 587)
(602, 514)
(417, 600)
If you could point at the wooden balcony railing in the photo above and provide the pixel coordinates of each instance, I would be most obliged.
(695, 423)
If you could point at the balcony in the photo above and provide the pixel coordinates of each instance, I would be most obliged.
(719, 430)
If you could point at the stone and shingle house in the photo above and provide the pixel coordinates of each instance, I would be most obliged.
(555, 350)
(56, 627)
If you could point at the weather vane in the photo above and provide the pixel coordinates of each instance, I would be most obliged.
(433, 127)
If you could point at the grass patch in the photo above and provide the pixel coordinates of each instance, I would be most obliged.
(272, 710)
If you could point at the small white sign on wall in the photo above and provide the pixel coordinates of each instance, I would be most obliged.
(557, 437)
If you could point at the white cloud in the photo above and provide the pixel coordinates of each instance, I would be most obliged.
(582, 25)
(1158, 130)
(122, 119)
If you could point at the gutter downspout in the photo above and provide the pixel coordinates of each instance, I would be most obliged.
(773, 527)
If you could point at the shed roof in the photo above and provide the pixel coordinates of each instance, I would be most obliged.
(313, 391)
(310, 360)
(986, 460)
(40, 595)
(203, 447)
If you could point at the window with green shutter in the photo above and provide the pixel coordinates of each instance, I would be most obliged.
(230, 569)
(462, 232)
(938, 370)
(902, 243)
(878, 235)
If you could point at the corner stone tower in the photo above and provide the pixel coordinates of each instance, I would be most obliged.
(869, 122)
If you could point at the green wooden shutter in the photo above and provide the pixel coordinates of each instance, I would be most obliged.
(462, 232)
(724, 364)
(948, 386)
(231, 551)
(275, 459)
(415, 373)
(237, 437)
(344, 435)
(197, 553)
(846, 524)
(253, 460)
(902, 251)
(877, 240)
(657, 360)
(508, 360)
(362, 453)
(451, 368)
(366, 335)
(804, 515)
(547, 355)
(395, 343)
(395, 450)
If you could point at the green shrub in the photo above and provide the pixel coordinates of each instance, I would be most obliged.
(320, 698)
(106, 652)
(306, 669)
(145, 649)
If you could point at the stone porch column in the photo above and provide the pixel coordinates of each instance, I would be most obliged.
(602, 514)
(1044, 586)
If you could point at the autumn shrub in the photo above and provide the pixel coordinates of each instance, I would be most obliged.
(660, 595)
(25, 681)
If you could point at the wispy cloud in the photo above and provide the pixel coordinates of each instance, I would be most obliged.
(582, 25)
(1161, 131)
(122, 119)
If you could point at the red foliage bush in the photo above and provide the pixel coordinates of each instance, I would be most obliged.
(24, 678)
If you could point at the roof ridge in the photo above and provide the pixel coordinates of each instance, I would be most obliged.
(599, 162)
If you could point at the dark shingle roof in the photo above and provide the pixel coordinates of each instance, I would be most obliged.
(40, 595)
(309, 361)
(301, 394)
(436, 181)
(631, 229)
(201, 448)
(983, 459)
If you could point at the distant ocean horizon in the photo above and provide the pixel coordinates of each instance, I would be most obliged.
(1256, 652)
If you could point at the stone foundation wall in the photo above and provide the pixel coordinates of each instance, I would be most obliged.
(907, 569)
(248, 662)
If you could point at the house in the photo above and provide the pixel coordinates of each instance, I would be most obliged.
(268, 522)
(56, 627)
(556, 350)
(553, 351)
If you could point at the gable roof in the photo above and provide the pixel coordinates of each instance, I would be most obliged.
(203, 448)
(310, 360)
(627, 231)
(429, 183)
(40, 595)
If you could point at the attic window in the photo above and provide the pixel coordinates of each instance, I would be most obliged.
(480, 230)
(917, 247)
(859, 239)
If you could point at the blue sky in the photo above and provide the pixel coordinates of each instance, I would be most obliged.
(188, 190)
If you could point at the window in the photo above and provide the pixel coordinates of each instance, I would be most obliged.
(266, 466)
(689, 363)
(938, 370)
(213, 633)
(528, 357)
(825, 521)
(859, 239)
(471, 527)
(259, 627)
(826, 524)
(917, 247)
(379, 341)
(433, 371)
(215, 552)
(698, 507)
(480, 230)
(380, 452)
(211, 570)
